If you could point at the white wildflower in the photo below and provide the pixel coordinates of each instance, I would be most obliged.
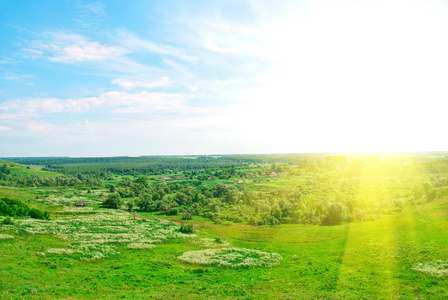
(211, 243)
(437, 268)
(231, 257)
(59, 251)
(95, 235)
(6, 237)
(140, 246)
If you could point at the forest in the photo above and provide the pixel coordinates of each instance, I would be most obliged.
(254, 190)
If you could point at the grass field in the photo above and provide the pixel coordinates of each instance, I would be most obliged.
(371, 260)
(18, 169)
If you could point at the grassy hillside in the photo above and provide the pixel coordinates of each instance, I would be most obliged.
(18, 169)
(371, 260)
(399, 251)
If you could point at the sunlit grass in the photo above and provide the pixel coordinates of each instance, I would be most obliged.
(397, 254)
(319, 262)
(367, 257)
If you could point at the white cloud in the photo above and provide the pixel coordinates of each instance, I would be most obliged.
(114, 102)
(142, 82)
(336, 75)
(137, 44)
(32, 53)
(17, 77)
(5, 128)
(70, 48)
(16, 116)
(80, 50)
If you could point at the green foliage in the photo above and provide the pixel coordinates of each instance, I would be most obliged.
(186, 215)
(112, 188)
(7, 221)
(187, 228)
(143, 180)
(278, 189)
(174, 212)
(182, 199)
(400, 253)
(5, 170)
(145, 203)
(337, 213)
(16, 208)
(130, 205)
(113, 201)
(431, 194)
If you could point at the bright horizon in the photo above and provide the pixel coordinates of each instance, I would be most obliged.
(92, 78)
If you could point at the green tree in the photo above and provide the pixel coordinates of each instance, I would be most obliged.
(113, 201)
(182, 198)
(112, 188)
(130, 205)
(143, 180)
(146, 203)
(337, 213)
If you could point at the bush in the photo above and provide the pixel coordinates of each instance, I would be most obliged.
(337, 213)
(187, 228)
(187, 215)
(35, 214)
(200, 270)
(7, 221)
(174, 212)
(130, 206)
(431, 195)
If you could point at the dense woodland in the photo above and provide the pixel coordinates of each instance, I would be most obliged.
(257, 189)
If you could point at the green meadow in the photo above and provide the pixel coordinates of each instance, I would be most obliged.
(95, 252)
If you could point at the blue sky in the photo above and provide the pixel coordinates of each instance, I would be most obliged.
(92, 78)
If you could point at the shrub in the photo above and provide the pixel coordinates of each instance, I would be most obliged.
(130, 206)
(174, 212)
(200, 270)
(187, 228)
(7, 221)
(187, 215)
(431, 195)
(336, 214)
